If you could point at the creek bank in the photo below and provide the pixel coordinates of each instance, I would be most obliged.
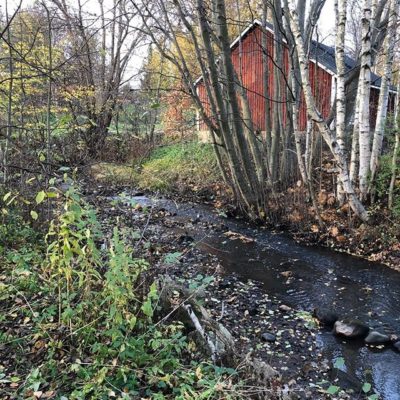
(242, 306)
(378, 243)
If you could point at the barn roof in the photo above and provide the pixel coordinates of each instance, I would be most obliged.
(320, 53)
(325, 55)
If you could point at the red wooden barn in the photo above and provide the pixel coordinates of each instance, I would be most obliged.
(247, 57)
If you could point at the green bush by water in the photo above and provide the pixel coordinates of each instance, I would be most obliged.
(77, 319)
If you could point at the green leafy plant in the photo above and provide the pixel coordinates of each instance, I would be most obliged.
(87, 317)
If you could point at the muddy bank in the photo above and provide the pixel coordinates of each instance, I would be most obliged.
(342, 232)
(253, 278)
(260, 324)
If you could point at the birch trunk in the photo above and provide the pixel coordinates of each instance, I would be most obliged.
(388, 51)
(395, 150)
(315, 115)
(394, 168)
(355, 140)
(340, 10)
(364, 100)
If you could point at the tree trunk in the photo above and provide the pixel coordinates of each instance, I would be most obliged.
(277, 130)
(248, 162)
(364, 100)
(315, 115)
(388, 51)
(340, 11)
(9, 101)
(267, 115)
(395, 150)
(355, 140)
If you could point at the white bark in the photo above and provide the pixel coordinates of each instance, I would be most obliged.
(388, 51)
(394, 168)
(315, 115)
(340, 10)
(395, 150)
(202, 332)
(364, 100)
(355, 140)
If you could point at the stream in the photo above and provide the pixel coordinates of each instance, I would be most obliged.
(320, 277)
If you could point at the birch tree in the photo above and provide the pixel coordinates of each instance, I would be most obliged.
(340, 11)
(327, 134)
(364, 100)
(396, 150)
(388, 53)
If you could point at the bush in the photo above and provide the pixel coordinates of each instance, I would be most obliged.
(84, 327)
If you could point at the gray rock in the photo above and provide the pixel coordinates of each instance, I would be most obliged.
(325, 317)
(396, 345)
(394, 338)
(351, 329)
(225, 283)
(268, 337)
(375, 337)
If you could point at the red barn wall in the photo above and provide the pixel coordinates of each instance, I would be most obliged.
(247, 59)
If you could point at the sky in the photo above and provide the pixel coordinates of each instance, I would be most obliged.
(325, 28)
(326, 24)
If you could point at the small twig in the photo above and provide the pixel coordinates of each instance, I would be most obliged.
(145, 228)
(222, 311)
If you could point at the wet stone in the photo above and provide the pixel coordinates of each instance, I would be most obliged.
(253, 310)
(375, 337)
(185, 239)
(352, 329)
(268, 337)
(325, 317)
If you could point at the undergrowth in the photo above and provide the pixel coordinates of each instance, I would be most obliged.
(171, 168)
(180, 167)
(77, 318)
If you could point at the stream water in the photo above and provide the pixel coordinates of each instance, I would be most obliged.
(320, 278)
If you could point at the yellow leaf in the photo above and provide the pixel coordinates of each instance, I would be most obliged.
(199, 373)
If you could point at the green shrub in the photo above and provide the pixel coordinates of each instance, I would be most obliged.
(84, 326)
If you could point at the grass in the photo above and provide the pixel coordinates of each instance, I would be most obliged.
(178, 168)
(112, 173)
